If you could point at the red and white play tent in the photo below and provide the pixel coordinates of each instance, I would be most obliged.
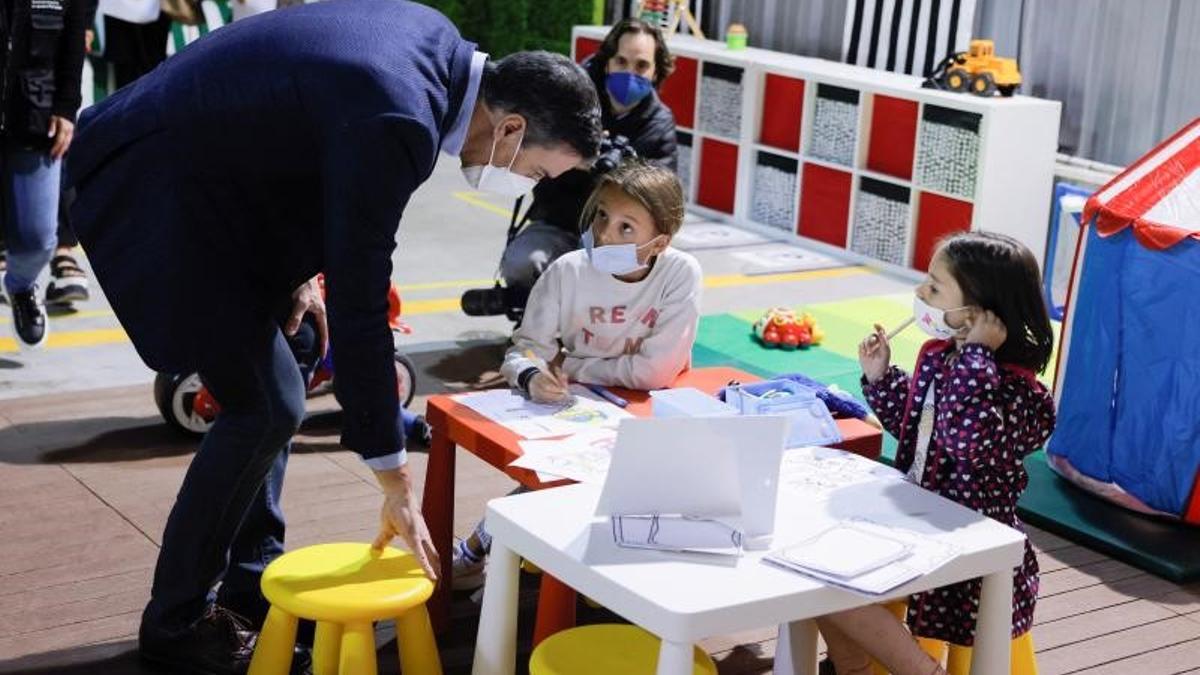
(1128, 382)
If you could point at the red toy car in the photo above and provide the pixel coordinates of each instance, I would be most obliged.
(780, 327)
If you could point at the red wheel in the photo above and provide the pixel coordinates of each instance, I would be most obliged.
(184, 402)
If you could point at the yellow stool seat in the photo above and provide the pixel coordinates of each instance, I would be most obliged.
(346, 582)
(345, 588)
(605, 649)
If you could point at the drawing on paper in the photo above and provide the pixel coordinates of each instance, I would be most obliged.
(816, 473)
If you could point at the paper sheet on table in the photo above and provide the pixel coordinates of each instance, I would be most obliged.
(583, 457)
(844, 551)
(676, 534)
(537, 420)
(814, 474)
(925, 555)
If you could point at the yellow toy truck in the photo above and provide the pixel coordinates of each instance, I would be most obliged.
(977, 70)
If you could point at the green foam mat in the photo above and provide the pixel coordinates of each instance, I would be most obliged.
(1160, 547)
(730, 335)
(847, 322)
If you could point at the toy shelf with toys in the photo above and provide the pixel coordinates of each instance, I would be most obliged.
(862, 162)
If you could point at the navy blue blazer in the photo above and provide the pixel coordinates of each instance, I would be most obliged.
(275, 148)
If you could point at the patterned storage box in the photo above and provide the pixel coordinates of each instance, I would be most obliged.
(835, 125)
(721, 101)
(684, 148)
(948, 159)
(881, 217)
(774, 192)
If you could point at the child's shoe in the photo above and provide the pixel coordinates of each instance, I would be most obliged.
(422, 431)
(468, 570)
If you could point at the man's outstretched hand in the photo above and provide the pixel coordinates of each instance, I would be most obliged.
(401, 517)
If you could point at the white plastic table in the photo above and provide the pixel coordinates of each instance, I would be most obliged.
(684, 598)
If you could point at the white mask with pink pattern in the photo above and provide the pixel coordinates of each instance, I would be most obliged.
(933, 320)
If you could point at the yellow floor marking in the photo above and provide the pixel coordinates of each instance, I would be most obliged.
(79, 338)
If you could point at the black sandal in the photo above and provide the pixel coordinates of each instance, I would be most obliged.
(68, 281)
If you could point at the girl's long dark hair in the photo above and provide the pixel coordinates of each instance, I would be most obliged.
(998, 273)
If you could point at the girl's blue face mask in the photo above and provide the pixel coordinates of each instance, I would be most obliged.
(628, 89)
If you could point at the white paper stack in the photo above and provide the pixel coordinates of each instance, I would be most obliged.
(864, 556)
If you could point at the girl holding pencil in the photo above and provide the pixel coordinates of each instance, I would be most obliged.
(620, 312)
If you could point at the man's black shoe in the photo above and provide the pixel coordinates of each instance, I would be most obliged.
(29, 319)
(216, 645)
(221, 643)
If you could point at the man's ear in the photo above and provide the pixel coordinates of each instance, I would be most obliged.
(512, 123)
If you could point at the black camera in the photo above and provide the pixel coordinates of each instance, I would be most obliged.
(613, 151)
(496, 300)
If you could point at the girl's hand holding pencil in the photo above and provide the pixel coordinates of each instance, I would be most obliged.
(550, 385)
(875, 351)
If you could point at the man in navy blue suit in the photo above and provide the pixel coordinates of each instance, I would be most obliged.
(214, 189)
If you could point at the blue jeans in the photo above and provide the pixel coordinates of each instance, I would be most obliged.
(30, 185)
(227, 525)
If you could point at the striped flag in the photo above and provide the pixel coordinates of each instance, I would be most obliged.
(906, 36)
(216, 13)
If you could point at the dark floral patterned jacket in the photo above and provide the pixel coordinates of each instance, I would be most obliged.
(988, 417)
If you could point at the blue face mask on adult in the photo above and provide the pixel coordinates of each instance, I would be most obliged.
(627, 88)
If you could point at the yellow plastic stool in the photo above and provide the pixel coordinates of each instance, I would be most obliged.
(344, 588)
(958, 658)
(1022, 657)
(604, 649)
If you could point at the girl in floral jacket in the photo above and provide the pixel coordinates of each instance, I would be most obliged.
(966, 418)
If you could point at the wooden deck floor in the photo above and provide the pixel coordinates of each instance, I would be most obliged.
(84, 494)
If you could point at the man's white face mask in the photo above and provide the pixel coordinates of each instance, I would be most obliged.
(499, 180)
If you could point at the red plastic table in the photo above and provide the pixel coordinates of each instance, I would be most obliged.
(456, 425)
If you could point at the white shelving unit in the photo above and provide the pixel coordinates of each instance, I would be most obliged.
(1008, 144)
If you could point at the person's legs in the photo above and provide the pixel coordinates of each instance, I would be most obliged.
(135, 48)
(31, 209)
(68, 281)
(532, 251)
(31, 180)
(848, 658)
(262, 404)
(873, 630)
(470, 555)
(479, 540)
(259, 541)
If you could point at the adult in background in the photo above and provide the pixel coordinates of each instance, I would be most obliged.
(627, 69)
